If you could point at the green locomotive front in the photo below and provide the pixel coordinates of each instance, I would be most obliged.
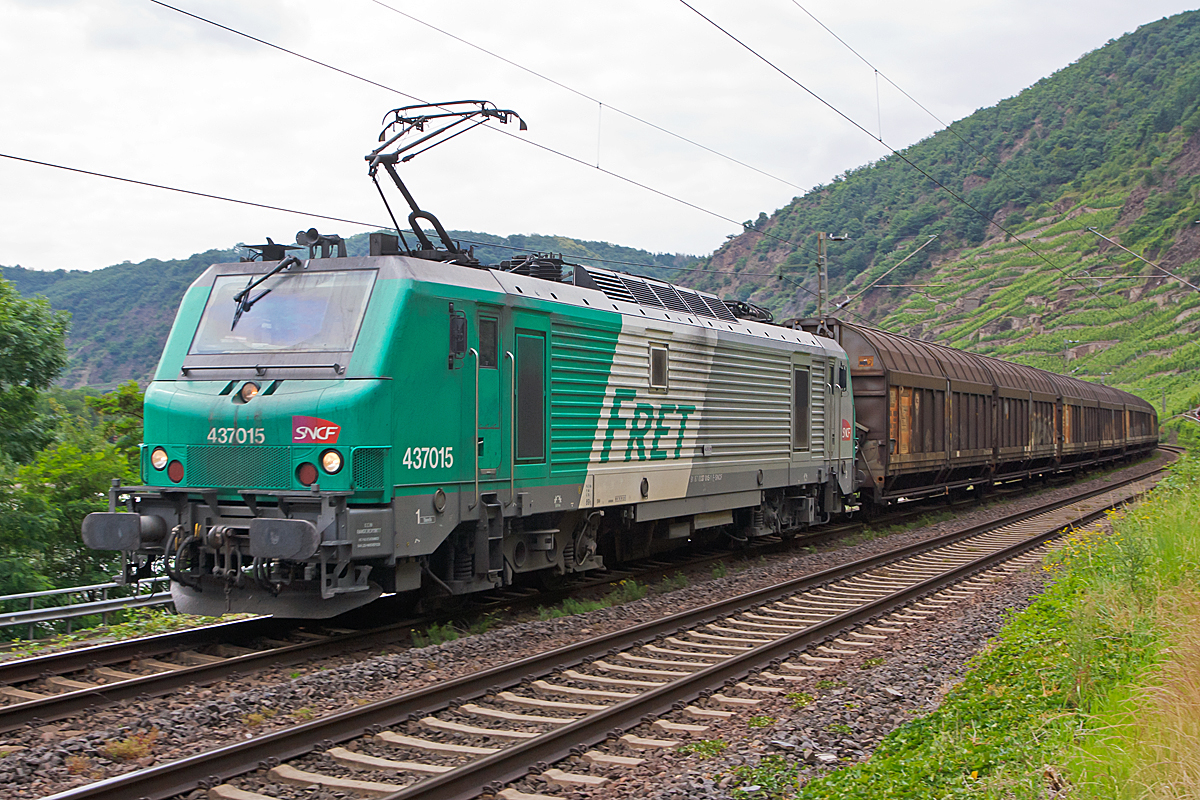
(388, 423)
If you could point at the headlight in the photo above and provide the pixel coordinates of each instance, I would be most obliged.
(249, 391)
(158, 459)
(331, 461)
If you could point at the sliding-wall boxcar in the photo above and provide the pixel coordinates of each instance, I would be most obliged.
(932, 419)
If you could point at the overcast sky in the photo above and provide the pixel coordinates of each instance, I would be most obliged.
(130, 88)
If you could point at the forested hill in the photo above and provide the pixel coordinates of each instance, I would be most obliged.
(121, 314)
(1109, 142)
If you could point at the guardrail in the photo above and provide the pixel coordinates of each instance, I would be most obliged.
(83, 601)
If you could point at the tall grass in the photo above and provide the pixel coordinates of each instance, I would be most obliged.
(1095, 686)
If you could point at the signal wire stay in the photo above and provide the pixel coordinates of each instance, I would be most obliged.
(945, 125)
(891, 149)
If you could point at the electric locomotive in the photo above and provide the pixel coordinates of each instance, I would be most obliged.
(324, 430)
(321, 431)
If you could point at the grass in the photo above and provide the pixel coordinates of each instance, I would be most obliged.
(131, 748)
(625, 591)
(760, 722)
(140, 622)
(798, 699)
(705, 748)
(1096, 685)
(672, 582)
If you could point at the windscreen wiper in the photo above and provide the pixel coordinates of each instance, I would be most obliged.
(243, 299)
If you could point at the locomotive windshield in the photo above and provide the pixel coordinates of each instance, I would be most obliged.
(301, 312)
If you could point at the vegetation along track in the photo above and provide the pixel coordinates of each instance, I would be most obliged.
(59, 685)
(491, 727)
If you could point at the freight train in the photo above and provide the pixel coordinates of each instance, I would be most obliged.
(322, 431)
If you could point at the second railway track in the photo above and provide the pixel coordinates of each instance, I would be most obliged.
(492, 727)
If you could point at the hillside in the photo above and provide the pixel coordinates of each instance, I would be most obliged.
(1111, 142)
(121, 314)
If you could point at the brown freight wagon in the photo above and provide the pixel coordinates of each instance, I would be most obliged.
(931, 418)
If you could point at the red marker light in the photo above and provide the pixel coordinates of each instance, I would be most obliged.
(175, 471)
(307, 474)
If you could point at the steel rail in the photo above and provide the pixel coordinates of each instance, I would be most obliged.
(513, 762)
(65, 704)
(208, 769)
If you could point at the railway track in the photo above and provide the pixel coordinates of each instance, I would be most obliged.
(642, 687)
(61, 685)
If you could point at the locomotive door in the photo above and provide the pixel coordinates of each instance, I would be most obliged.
(490, 440)
(802, 445)
(529, 375)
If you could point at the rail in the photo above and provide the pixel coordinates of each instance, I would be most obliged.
(86, 605)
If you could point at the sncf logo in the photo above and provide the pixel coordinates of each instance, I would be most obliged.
(314, 430)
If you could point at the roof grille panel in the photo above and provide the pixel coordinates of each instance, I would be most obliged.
(695, 303)
(670, 298)
(612, 285)
(653, 293)
(644, 294)
(719, 310)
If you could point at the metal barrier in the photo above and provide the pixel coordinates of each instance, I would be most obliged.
(82, 601)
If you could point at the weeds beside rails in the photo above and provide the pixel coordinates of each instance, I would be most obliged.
(1094, 688)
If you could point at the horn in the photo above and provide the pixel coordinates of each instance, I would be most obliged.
(308, 238)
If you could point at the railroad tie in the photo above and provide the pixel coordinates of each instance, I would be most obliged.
(773, 676)
(754, 687)
(657, 662)
(666, 651)
(726, 700)
(399, 740)
(604, 666)
(298, 777)
(730, 648)
(643, 743)
(677, 727)
(456, 727)
(569, 780)
(537, 702)
(115, 675)
(227, 792)
(604, 759)
(361, 761)
(546, 687)
(507, 716)
(515, 794)
(603, 681)
(193, 659)
(706, 714)
(60, 684)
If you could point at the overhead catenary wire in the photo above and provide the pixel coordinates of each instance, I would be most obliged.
(526, 141)
(315, 215)
(948, 127)
(891, 149)
(585, 95)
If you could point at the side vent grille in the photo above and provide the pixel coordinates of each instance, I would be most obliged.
(370, 467)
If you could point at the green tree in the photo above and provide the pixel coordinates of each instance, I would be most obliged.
(32, 354)
(121, 419)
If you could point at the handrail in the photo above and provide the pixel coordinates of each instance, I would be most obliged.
(73, 610)
(512, 429)
(475, 439)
